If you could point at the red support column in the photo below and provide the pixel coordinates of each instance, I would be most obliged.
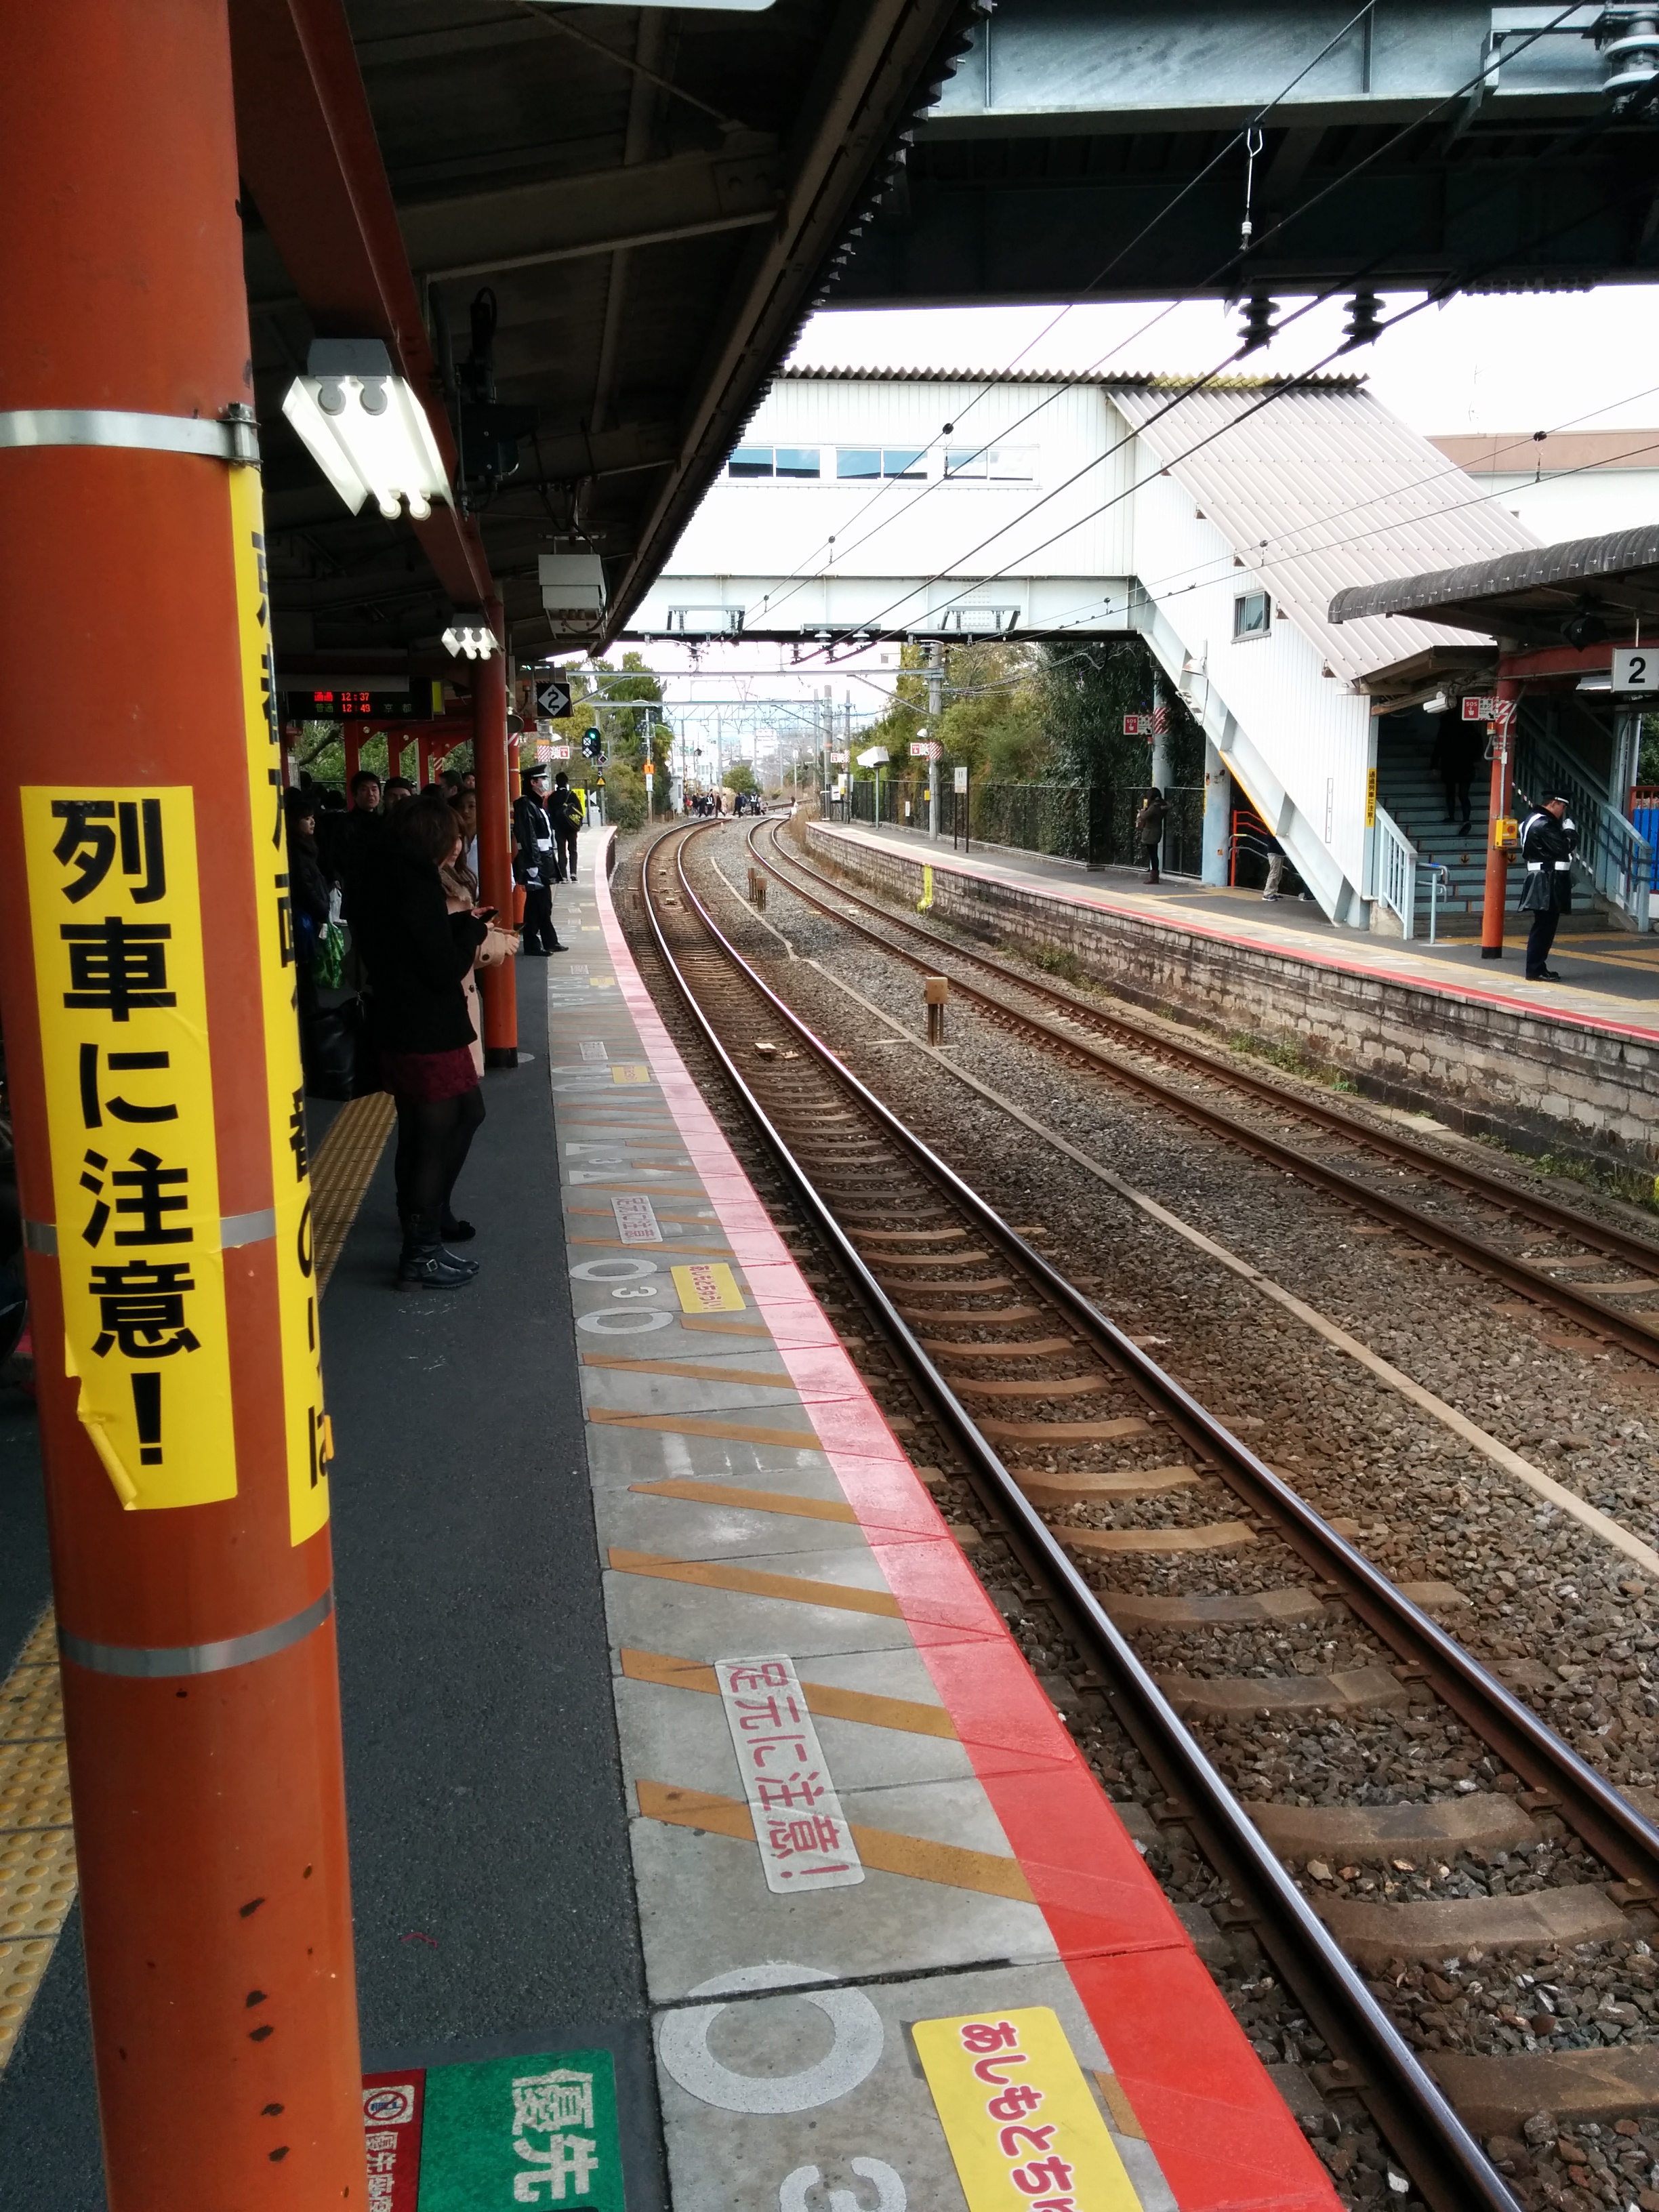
(144, 913)
(423, 762)
(500, 1011)
(352, 741)
(1502, 792)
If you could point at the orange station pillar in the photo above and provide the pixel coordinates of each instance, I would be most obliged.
(352, 745)
(146, 992)
(1503, 794)
(501, 1009)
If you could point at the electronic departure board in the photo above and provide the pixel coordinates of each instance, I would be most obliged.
(349, 706)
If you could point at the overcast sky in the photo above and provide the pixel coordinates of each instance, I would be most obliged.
(1505, 362)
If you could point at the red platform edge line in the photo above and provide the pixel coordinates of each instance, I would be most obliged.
(1222, 2135)
(1312, 956)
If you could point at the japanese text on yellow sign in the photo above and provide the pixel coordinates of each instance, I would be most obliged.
(116, 924)
(1026, 2134)
(707, 1286)
(305, 1424)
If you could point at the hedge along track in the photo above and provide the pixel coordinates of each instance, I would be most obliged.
(926, 1253)
(968, 972)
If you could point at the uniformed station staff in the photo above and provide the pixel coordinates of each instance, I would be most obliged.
(1549, 838)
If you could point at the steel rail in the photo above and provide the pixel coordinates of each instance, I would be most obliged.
(1443, 2158)
(1578, 1305)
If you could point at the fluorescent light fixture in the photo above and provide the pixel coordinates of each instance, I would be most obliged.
(1440, 704)
(477, 641)
(366, 429)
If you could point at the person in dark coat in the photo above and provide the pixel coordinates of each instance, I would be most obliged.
(1460, 752)
(308, 903)
(416, 953)
(535, 861)
(1549, 839)
(566, 809)
(1149, 829)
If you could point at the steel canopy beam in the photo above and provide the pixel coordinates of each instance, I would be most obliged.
(308, 153)
(878, 56)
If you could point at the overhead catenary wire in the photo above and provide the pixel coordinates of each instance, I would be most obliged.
(1338, 182)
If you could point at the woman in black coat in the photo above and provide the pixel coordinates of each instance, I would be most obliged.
(416, 953)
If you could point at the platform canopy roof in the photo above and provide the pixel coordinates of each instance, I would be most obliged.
(1578, 594)
(586, 234)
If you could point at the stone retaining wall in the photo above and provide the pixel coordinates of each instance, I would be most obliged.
(1542, 1086)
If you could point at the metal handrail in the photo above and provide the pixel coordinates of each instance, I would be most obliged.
(1439, 876)
(1396, 870)
(1614, 855)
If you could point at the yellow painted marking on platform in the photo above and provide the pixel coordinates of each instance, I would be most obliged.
(614, 1244)
(947, 1864)
(989, 2131)
(695, 1369)
(693, 1424)
(724, 1327)
(1116, 2099)
(622, 1071)
(707, 1286)
(750, 1582)
(38, 1880)
(1217, 1536)
(749, 1501)
(903, 1713)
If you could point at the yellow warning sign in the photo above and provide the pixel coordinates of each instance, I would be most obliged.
(707, 1286)
(307, 1436)
(1022, 2127)
(630, 1071)
(117, 920)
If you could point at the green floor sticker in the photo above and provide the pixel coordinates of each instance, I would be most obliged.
(525, 2130)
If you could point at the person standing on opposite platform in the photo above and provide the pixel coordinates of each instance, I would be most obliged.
(1149, 829)
(1549, 839)
(1275, 869)
(535, 862)
(566, 810)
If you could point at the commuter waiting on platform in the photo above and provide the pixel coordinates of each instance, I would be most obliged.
(308, 902)
(1149, 829)
(399, 791)
(535, 862)
(566, 810)
(417, 954)
(1276, 852)
(1460, 752)
(366, 791)
(1549, 839)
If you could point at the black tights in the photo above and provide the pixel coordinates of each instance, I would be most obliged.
(433, 1137)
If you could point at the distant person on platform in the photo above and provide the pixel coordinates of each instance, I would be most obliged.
(1275, 851)
(399, 791)
(366, 791)
(1460, 752)
(1549, 839)
(1149, 829)
(535, 861)
(566, 810)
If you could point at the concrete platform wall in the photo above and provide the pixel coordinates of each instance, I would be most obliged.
(1542, 1086)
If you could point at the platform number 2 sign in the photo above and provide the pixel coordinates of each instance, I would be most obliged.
(1634, 669)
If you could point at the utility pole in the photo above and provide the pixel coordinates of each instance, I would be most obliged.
(935, 704)
(153, 1069)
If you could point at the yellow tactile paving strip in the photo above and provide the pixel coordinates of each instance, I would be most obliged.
(37, 1840)
(37, 1843)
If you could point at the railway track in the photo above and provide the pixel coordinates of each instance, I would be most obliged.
(1090, 1460)
(1137, 1058)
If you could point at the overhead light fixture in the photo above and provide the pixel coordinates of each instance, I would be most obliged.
(366, 429)
(475, 642)
(1440, 704)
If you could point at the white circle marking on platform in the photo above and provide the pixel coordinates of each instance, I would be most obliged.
(625, 1268)
(683, 2044)
(606, 1323)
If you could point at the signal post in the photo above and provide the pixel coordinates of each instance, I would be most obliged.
(147, 995)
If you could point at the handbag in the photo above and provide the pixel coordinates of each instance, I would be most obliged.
(328, 960)
(1538, 892)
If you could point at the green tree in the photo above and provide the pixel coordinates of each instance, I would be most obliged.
(740, 777)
